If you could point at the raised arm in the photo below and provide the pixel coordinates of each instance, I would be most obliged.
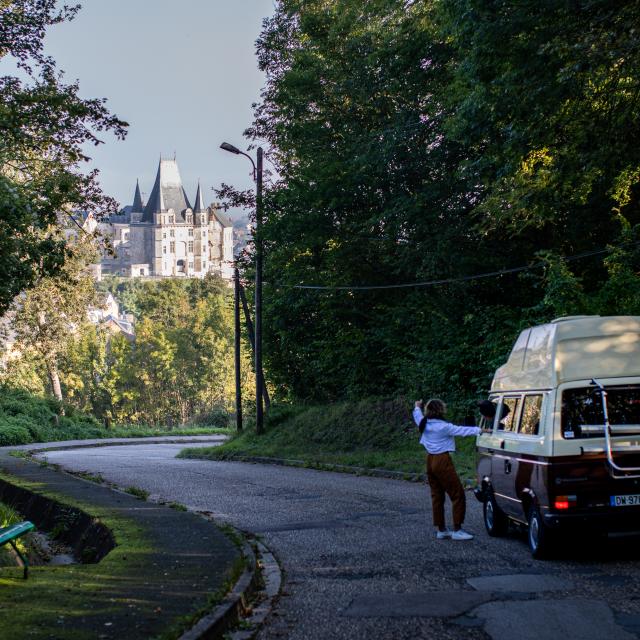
(455, 430)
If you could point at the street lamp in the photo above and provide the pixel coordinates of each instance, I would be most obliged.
(257, 174)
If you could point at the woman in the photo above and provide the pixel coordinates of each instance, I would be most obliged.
(438, 439)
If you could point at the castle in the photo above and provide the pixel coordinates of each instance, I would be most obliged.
(168, 236)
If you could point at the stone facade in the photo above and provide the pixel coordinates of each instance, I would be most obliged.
(167, 236)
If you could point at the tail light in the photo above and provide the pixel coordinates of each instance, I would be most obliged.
(565, 502)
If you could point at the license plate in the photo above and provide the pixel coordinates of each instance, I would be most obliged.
(625, 501)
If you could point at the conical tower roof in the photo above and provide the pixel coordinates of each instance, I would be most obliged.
(167, 193)
(199, 207)
(138, 205)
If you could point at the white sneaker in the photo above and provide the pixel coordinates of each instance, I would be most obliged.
(443, 535)
(461, 534)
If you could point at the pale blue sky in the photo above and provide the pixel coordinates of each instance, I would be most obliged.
(183, 73)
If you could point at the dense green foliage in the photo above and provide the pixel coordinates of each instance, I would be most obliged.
(46, 317)
(372, 434)
(419, 141)
(27, 418)
(45, 131)
(178, 369)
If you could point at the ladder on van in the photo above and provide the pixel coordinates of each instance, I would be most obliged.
(616, 471)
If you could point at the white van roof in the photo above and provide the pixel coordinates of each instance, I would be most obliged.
(572, 348)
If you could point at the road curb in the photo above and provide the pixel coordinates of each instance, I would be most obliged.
(34, 448)
(234, 606)
(236, 603)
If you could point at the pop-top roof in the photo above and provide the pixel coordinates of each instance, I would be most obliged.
(573, 348)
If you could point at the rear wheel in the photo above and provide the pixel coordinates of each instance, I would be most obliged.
(495, 519)
(541, 539)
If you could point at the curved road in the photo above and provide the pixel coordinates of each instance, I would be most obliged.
(360, 561)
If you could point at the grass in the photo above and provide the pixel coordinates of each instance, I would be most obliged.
(372, 434)
(55, 595)
(141, 494)
(25, 419)
(8, 516)
(46, 605)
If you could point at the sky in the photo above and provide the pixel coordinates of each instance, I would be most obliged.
(182, 73)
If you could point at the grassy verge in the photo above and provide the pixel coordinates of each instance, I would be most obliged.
(46, 605)
(47, 602)
(25, 419)
(374, 434)
(8, 517)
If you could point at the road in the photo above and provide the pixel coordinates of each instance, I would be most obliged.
(360, 560)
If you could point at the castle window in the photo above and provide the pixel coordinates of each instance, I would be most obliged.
(172, 234)
(164, 235)
(164, 249)
(190, 219)
(191, 232)
(191, 245)
(172, 219)
(172, 247)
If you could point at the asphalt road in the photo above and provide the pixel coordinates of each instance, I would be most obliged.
(360, 560)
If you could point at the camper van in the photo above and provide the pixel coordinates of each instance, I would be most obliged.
(563, 450)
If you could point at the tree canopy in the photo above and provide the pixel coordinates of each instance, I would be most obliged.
(45, 127)
(442, 140)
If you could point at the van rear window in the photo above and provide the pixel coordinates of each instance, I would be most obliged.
(583, 416)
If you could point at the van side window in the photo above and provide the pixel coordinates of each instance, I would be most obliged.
(530, 420)
(486, 424)
(509, 411)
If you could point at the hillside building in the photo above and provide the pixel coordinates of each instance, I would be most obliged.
(168, 236)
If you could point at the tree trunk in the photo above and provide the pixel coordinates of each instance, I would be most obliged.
(54, 378)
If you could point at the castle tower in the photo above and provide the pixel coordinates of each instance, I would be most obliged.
(138, 205)
(167, 194)
(167, 236)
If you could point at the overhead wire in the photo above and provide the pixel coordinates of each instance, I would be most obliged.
(443, 281)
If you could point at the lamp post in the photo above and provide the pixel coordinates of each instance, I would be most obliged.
(236, 319)
(257, 174)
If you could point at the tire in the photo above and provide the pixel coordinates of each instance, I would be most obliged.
(540, 538)
(495, 520)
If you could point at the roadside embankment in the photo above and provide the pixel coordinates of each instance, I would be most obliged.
(367, 435)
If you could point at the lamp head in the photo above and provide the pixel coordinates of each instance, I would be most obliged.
(229, 147)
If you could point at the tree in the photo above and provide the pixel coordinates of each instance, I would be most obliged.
(49, 314)
(436, 140)
(44, 128)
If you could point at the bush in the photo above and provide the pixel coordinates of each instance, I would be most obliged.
(25, 418)
(218, 418)
(11, 434)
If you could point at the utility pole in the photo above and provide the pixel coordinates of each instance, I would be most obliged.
(258, 241)
(236, 310)
(257, 169)
(252, 341)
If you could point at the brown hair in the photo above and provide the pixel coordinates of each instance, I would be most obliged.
(435, 408)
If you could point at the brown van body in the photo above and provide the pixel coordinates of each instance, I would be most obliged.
(520, 481)
(563, 449)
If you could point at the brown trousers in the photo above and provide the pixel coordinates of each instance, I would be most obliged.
(443, 479)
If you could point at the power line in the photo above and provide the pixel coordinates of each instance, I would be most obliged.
(430, 283)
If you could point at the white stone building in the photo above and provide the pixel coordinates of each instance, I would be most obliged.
(168, 236)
